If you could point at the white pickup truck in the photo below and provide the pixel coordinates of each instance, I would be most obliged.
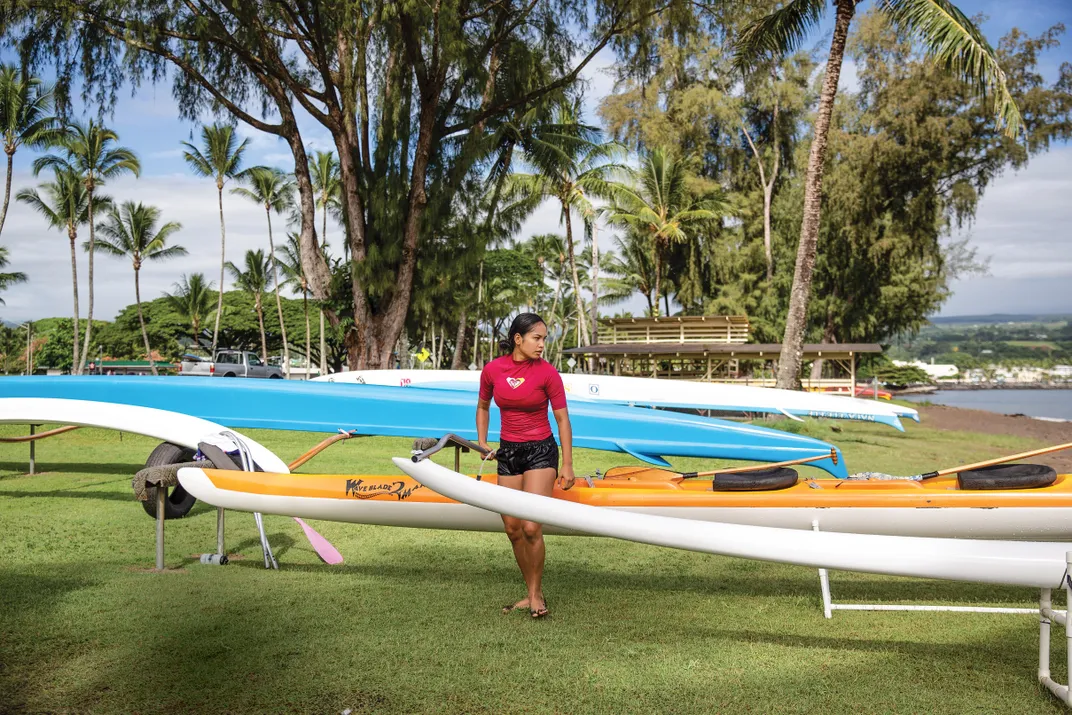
(230, 363)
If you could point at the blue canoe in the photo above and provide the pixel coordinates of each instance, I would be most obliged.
(646, 434)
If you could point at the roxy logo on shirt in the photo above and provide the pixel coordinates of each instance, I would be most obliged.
(515, 382)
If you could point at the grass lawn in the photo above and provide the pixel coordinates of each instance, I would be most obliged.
(411, 623)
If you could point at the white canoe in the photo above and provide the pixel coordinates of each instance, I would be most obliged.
(168, 426)
(649, 392)
(1019, 563)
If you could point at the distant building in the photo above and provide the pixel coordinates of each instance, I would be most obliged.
(934, 372)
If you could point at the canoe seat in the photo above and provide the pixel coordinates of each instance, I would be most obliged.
(761, 481)
(1008, 476)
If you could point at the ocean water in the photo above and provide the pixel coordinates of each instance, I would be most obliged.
(1055, 404)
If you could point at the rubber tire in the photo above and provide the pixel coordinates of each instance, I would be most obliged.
(759, 481)
(179, 502)
(275, 377)
(1008, 476)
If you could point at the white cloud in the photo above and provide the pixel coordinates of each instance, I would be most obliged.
(1024, 225)
(44, 254)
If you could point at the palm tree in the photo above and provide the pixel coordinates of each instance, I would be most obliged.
(635, 268)
(192, 300)
(255, 280)
(571, 167)
(220, 157)
(660, 205)
(66, 207)
(947, 36)
(131, 231)
(274, 190)
(289, 259)
(8, 279)
(25, 118)
(90, 153)
(327, 185)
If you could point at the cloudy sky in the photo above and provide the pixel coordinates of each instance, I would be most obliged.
(1023, 223)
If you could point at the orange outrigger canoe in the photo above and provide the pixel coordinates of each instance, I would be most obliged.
(940, 507)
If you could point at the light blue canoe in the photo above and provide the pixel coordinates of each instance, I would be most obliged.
(649, 435)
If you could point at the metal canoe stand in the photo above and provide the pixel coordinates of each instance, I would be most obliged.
(33, 452)
(161, 501)
(829, 606)
(1047, 615)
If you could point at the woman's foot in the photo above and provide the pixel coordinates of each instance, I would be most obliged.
(538, 607)
(511, 607)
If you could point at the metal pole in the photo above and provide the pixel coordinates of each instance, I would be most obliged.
(161, 499)
(1068, 633)
(33, 451)
(219, 531)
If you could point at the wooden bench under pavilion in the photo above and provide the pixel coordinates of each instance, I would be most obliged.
(704, 348)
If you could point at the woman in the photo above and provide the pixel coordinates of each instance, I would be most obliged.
(523, 383)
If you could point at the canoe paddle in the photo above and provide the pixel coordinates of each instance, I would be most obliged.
(963, 467)
(343, 434)
(678, 476)
(40, 435)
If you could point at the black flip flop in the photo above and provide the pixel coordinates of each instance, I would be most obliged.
(537, 613)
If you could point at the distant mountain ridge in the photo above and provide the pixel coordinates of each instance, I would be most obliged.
(1000, 318)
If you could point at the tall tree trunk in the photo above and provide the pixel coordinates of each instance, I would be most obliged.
(323, 345)
(479, 304)
(141, 322)
(793, 341)
(767, 249)
(7, 186)
(658, 272)
(223, 262)
(92, 250)
(74, 280)
(278, 300)
(828, 337)
(459, 340)
(576, 279)
(442, 345)
(595, 294)
(260, 319)
(308, 332)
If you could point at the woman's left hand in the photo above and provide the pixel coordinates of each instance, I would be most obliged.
(566, 478)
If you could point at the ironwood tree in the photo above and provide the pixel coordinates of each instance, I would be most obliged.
(410, 91)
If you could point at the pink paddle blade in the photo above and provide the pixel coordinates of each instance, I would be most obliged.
(323, 548)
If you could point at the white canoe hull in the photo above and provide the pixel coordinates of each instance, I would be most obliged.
(168, 426)
(648, 392)
(1039, 564)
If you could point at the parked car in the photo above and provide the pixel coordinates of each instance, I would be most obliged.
(229, 363)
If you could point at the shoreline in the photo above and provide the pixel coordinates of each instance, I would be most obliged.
(954, 387)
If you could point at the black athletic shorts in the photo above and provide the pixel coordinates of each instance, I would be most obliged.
(519, 457)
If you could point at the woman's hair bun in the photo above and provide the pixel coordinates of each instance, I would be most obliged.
(505, 346)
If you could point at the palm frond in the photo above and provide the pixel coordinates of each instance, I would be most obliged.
(956, 44)
(779, 33)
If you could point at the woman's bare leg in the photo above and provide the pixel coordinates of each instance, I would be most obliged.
(542, 482)
(517, 537)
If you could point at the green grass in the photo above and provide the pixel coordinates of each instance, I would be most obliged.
(410, 622)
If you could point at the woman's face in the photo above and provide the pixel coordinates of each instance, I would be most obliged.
(530, 345)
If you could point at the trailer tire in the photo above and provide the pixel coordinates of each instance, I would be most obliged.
(179, 502)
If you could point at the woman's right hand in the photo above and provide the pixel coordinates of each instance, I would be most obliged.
(490, 453)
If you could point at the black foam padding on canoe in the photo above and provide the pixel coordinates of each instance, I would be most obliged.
(761, 481)
(1008, 476)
